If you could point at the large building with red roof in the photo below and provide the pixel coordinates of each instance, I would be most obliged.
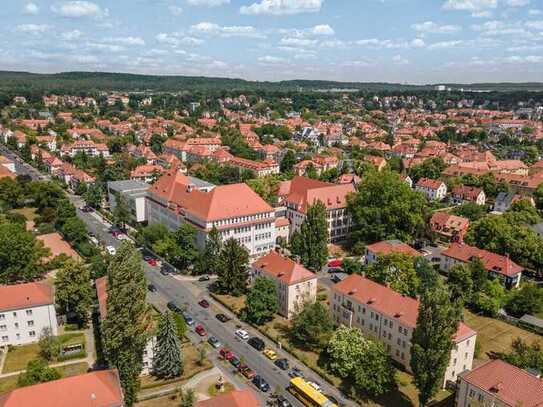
(390, 317)
(499, 384)
(301, 192)
(235, 398)
(295, 284)
(97, 389)
(25, 310)
(498, 266)
(236, 211)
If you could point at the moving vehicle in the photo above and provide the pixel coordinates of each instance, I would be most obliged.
(315, 385)
(214, 342)
(260, 383)
(256, 343)
(242, 334)
(307, 394)
(270, 354)
(111, 250)
(223, 318)
(152, 288)
(281, 363)
(200, 330)
(204, 303)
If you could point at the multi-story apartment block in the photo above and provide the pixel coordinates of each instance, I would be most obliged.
(236, 211)
(25, 311)
(301, 192)
(390, 317)
(498, 384)
(295, 284)
(88, 147)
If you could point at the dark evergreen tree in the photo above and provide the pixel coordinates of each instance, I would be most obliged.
(167, 356)
(233, 263)
(312, 243)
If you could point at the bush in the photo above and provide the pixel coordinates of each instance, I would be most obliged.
(71, 327)
(79, 355)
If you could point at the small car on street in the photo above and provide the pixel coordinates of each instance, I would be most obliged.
(242, 334)
(270, 354)
(204, 303)
(200, 330)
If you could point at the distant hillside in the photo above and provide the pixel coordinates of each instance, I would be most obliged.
(76, 82)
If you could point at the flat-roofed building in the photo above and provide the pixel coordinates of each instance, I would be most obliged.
(133, 192)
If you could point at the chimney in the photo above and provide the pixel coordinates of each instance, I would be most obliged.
(353, 291)
(399, 314)
(372, 300)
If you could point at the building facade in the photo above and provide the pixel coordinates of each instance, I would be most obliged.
(133, 192)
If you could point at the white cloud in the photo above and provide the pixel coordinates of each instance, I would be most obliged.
(445, 45)
(434, 28)
(175, 10)
(298, 42)
(470, 5)
(208, 3)
(33, 28)
(336, 44)
(535, 24)
(176, 39)
(78, 9)
(399, 60)
(517, 3)
(481, 14)
(127, 40)
(208, 28)
(322, 29)
(268, 59)
(282, 7)
(71, 35)
(535, 12)
(105, 47)
(31, 9)
(376, 43)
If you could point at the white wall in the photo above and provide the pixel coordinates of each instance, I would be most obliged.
(25, 325)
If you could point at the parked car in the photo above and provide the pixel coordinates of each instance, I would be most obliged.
(295, 372)
(200, 330)
(204, 278)
(225, 354)
(242, 334)
(270, 354)
(152, 288)
(188, 319)
(173, 307)
(152, 262)
(164, 270)
(111, 250)
(335, 279)
(214, 342)
(122, 236)
(282, 402)
(332, 270)
(260, 383)
(235, 362)
(256, 343)
(94, 241)
(223, 318)
(281, 363)
(247, 372)
(315, 385)
(336, 263)
(204, 303)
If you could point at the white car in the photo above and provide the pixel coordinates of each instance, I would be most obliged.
(93, 240)
(122, 236)
(242, 334)
(315, 386)
(111, 250)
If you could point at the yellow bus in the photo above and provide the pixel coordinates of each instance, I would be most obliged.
(310, 397)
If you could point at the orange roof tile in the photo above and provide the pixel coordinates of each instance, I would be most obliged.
(25, 295)
(386, 247)
(283, 268)
(235, 398)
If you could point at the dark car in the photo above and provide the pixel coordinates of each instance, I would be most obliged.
(204, 303)
(295, 372)
(260, 383)
(222, 317)
(173, 307)
(335, 279)
(152, 288)
(257, 343)
(87, 208)
(281, 364)
(204, 278)
(235, 362)
(164, 271)
(283, 402)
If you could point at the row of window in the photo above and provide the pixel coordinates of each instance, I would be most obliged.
(16, 325)
(242, 219)
(28, 312)
(31, 334)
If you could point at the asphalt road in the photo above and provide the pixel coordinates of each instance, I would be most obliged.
(22, 168)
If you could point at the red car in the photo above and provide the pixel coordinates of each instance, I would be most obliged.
(336, 263)
(152, 262)
(200, 330)
(247, 371)
(204, 303)
(226, 354)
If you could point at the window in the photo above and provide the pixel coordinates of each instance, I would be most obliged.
(471, 393)
(14, 315)
(5, 338)
(480, 398)
(3, 328)
(2, 317)
(16, 325)
(32, 334)
(399, 341)
(400, 329)
(30, 323)
(28, 312)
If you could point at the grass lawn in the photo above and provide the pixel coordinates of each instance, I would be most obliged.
(166, 401)
(28, 213)
(495, 335)
(19, 356)
(190, 357)
(234, 304)
(8, 383)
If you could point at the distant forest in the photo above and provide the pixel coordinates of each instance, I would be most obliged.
(79, 83)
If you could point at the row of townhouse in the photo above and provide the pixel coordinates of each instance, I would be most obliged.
(88, 147)
(436, 190)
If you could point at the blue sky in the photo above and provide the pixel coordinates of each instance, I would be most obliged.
(408, 41)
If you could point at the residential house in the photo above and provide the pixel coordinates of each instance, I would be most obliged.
(295, 284)
(386, 247)
(390, 317)
(498, 266)
(260, 168)
(146, 172)
(435, 190)
(377, 161)
(73, 176)
(451, 227)
(497, 383)
(25, 311)
(504, 201)
(88, 147)
(463, 194)
(101, 388)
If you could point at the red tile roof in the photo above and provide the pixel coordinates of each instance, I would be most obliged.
(305, 192)
(283, 268)
(57, 245)
(97, 389)
(389, 302)
(429, 183)
(25, 295)
(101, 293)
(386, 247)
(235, 398)
(507, 383)
(492, 261)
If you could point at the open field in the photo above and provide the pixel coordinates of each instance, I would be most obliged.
(28, 213)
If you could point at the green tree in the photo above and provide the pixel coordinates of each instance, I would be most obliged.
(126, 325)
(524, 212)
(93, 196)
(527, 300)
(185, 239)
(167, 356)
(36, 372)
(121, 212)
(75, 230)
(11, 192)
(431, 168)
(313, 326)
(21, 254)
(288, 161)
(432, 339)
(208, 261)
(490, 298)
(470, 210)
(187, 398)
(538, 197)
(233, 263)
(397, 270)
(312, 244)
(460, 283)
(151, 234)
(180, 326)
(49, 344)
(261, 303)
(386, 208)
(523, 355)
(73, 292)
